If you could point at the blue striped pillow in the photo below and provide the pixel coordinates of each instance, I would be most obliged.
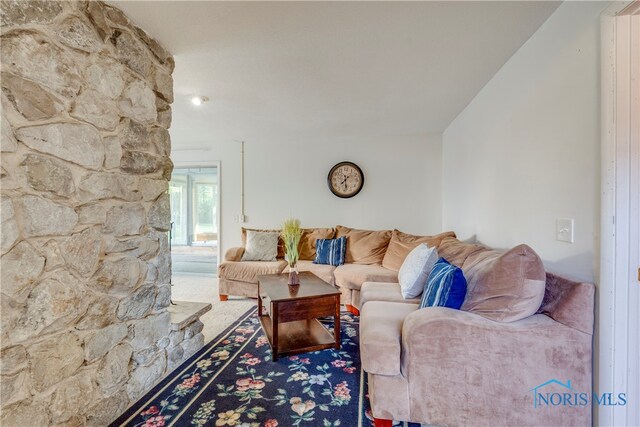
(446, 286)
(331, 251)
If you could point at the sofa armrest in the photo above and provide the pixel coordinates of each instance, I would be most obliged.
(456, 357)
(234, 254)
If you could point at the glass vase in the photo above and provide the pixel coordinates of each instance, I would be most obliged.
(293, 275)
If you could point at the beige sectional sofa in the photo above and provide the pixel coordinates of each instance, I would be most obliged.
(518, 328)
(478, 366)
(372, 256)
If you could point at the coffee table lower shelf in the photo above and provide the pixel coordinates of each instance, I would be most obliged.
(299, 336)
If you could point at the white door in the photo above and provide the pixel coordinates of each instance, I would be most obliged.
(619, 289)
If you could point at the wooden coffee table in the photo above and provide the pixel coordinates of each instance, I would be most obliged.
(289, 314)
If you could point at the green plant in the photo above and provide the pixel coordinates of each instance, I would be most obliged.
(291, 234)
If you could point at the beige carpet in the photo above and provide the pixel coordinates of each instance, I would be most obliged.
(204, 288)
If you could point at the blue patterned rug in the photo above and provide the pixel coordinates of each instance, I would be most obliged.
(233, 382)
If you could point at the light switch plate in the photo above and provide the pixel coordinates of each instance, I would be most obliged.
(564, 230)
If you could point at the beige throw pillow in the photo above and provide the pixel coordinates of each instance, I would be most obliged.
(261, 246)
(280, 242)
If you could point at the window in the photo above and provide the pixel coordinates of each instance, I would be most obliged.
(194, 197)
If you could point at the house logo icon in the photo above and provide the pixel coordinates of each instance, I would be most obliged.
(537, 397)
(563, 394)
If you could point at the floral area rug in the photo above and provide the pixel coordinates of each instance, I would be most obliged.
(232, 381)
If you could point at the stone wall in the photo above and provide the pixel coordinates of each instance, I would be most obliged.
(85, 167)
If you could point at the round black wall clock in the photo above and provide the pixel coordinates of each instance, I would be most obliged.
(345, 179)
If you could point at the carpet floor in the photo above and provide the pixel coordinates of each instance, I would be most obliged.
(232, 381)
(204, 288)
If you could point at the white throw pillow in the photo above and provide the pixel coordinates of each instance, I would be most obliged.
(415, 270)
(261, 246)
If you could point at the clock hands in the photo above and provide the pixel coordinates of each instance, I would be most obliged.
(344, 181)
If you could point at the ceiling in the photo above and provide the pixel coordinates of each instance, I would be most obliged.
(310, 71)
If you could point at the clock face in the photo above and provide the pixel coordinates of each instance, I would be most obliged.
(345, 179)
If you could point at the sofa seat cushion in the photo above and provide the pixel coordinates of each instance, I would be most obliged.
(381, 336)
(248, 271)
(323, 271)
(352, 276)
(381, 291)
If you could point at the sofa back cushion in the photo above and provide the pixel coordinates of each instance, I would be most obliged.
(402, 243)
(280, 253)
(307, 247)
(364, 246)
(504, 286)
(569, 302)
(456, 252)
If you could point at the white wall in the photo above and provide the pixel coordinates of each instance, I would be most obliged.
(402, 186)
(526, 150)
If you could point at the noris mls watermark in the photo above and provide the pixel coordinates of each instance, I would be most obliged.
(570, 397)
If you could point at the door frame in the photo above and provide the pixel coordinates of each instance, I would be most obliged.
(617, 338)
(210, 164)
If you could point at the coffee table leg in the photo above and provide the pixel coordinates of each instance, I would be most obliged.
(274, 326)
(336, 323)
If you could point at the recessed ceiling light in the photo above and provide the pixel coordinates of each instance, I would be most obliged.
(199, 100)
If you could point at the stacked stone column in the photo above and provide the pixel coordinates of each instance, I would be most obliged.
(85, 212)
